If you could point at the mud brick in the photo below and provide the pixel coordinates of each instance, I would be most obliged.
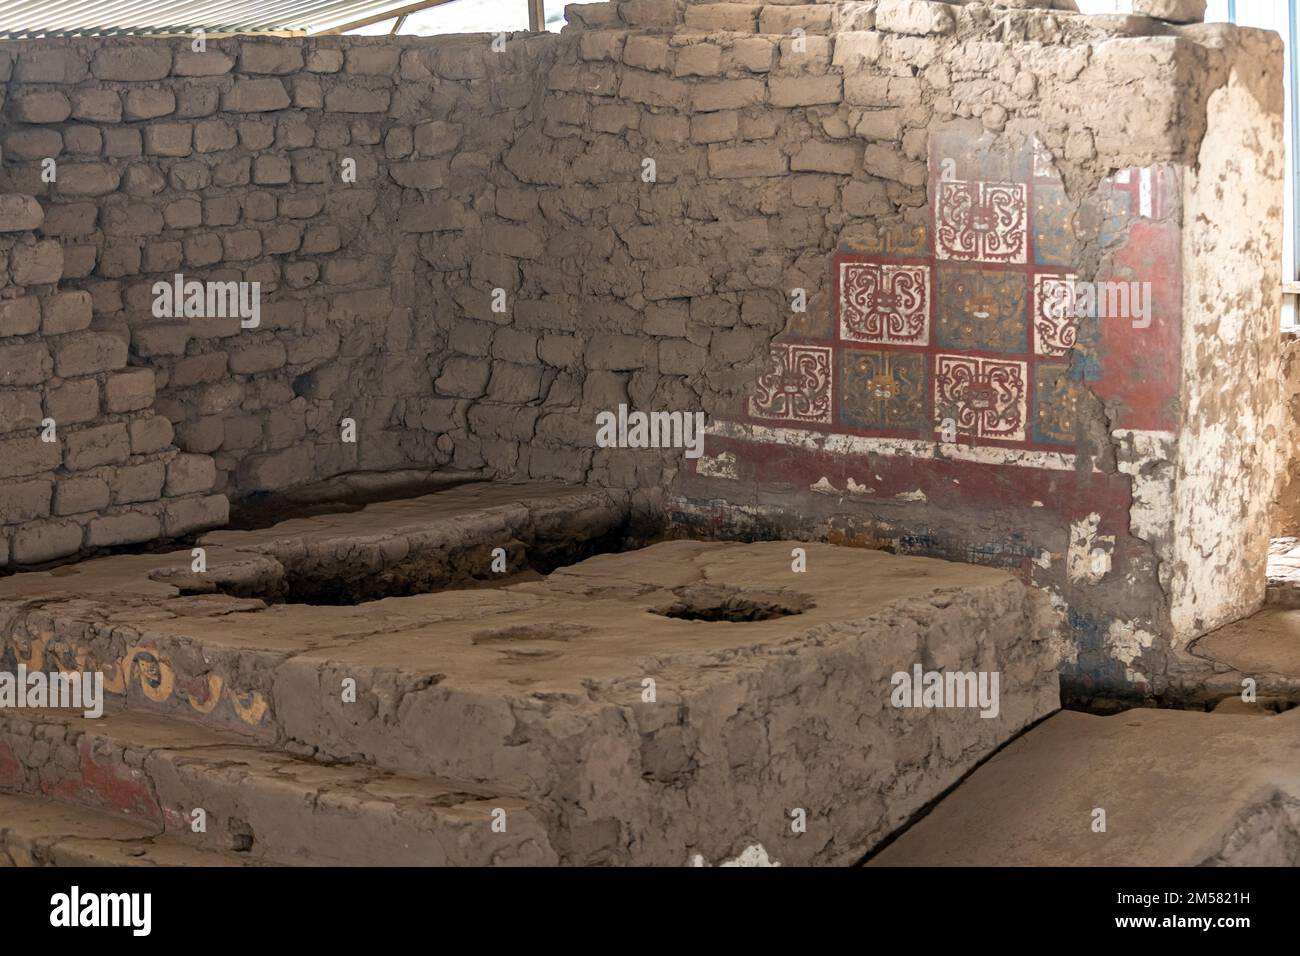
(73, 402)
(49, 107)
(24, 500)
(85, 353)
(255, 96)
(91, 447)
(270, 170)
(139, 482)
(129, 527)
(134, 62)
(716, 95)
(825, 158)
(169, 139)
(646, 52)
(149, 435)
(241, 245)
(746, 161)
(86, 179)
(80, 495)
(208, 63)
(186, 515)
(24, 364)
(190, 474)
(129, 391)
(463, 378)
(148, 104)
(28, 456)
(436, 138)
(420, 174)
(97, 106)
(132, 219)
(40, 263)
(699, 59)
(1175, 11)
(70, 219)
(277, 58)
(20, 316)
(42, 541)
(345, 99)
(788, 91)
(82, 140)
(732, 17)
(19, 410)
(619, 352)
(65, 312)
(51, 65)
(256, 359)
(29, 144)
(372, 60)
(20, 213)
(275, 470)
(325, 61)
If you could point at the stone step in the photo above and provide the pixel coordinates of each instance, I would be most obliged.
(1179, 788)
(38, 832)
(1265, 646)
(653, 705)
(259, 805)
(112, 613)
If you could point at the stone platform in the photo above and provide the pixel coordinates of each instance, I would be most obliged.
(1178, 788)
(653, 706)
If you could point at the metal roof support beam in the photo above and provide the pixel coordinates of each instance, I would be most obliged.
(381, 17)
(536, 15)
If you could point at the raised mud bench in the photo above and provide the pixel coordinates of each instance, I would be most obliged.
(147, 773)
(410, 546)
(1179, 788)
(771, 690)
(39, 832)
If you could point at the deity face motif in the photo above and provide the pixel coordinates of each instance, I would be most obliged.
(883, 386)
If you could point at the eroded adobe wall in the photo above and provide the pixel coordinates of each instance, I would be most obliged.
(646, 190)
(1286, 509)
(859, 166)
(85, 460)
(129, 161)
(1233, 438)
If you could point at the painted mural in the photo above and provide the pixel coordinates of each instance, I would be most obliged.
(144, 674)
(960, 396)
(965, 330)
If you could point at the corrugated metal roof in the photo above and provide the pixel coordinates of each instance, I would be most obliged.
(37, 18)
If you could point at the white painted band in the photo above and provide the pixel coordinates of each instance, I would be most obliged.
(902, 447)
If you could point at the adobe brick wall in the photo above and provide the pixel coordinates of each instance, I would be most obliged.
(228, 165)
(1137, 490)
(85, 460)
(778, 156)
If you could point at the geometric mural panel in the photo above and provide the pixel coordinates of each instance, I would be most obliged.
(1055, 226)
(981, 310)
(981, 222)
(885, 303)
(883, 389)
(984, 397)
(976, 324)
(1055, 309)
(796, 386)
(1055, 404)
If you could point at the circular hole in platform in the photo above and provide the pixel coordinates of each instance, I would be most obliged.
(711, 602)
